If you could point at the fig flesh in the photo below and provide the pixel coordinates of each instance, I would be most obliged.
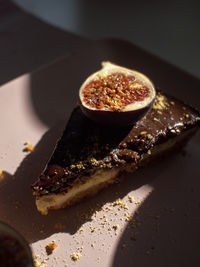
(116, 95)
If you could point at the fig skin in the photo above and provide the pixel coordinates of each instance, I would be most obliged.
(120, 117)
(115, 118)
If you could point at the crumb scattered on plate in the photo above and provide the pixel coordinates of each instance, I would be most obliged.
(131, 199)
(37, 264)
(75, 256)
(29, 147)
(50, 247)
(115, 227)
(1, 174)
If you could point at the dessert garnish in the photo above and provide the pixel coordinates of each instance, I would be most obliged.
(116, 95)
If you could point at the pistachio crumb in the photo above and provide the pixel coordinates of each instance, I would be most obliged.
(29, 147)
(160, 102)
(75, 256)
(116, 227)
(131, 199)
(37, 264)
(149, 136)
(50, 247)
(149, 152)
(1, 173)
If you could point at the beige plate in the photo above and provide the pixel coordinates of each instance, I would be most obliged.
(164, 230)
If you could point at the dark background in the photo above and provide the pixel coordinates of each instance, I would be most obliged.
(169, 29)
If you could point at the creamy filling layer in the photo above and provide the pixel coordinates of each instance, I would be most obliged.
(63, 199)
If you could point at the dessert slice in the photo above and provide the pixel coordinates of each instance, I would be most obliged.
(90, 156)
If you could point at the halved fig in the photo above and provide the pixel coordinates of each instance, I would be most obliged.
(116, 95)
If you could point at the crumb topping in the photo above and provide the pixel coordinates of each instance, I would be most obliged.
(1, 173)
(114, 92)
(160, 102)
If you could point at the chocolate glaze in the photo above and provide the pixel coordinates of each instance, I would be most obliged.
(86, 147)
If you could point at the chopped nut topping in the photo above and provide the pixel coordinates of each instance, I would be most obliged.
(143, 133)
(1, 173)
(149, 136)
(37, 264)
(114, 92)
(160, 102)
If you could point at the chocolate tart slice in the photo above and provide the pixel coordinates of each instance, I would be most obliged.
(88, 157)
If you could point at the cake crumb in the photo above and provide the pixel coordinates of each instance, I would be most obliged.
(120, 203)
(131, 199)
(160, 102)
(75, 256)
(50, 247)
(29, 147)
(37, 264)
(92, 230)
(149, 136)
(1, 174)
(116, 227)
